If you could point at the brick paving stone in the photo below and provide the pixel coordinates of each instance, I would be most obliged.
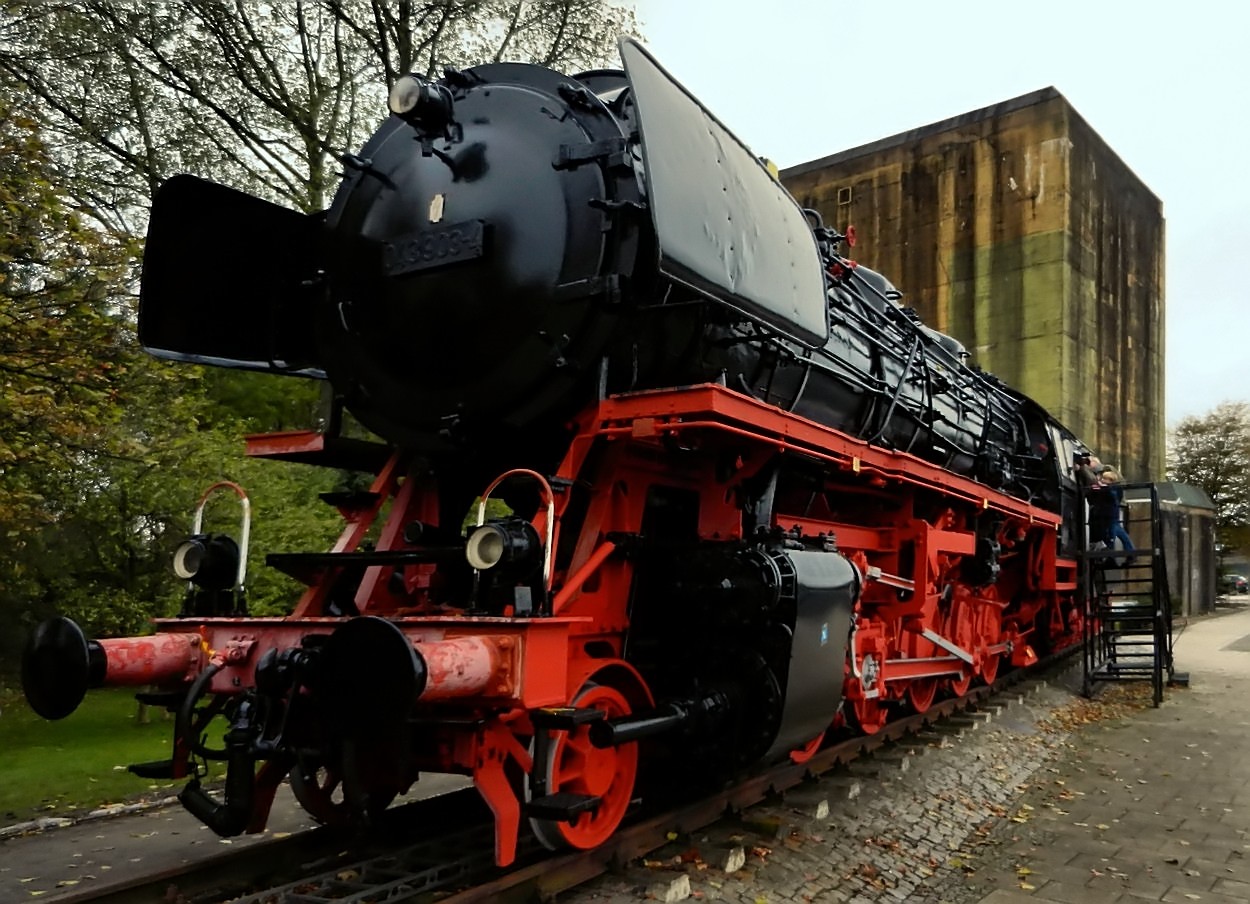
(1137, 895)
(1232, 887)
(1003, 896)
(1077, 894)
(1180, 896)
(1234, 869)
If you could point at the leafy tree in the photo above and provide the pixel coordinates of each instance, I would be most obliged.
(64, 350)
(1213, 452)
(104, 451)
(262, 96)
(61, 345)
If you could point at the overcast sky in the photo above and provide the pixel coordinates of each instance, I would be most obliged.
(1167, 85)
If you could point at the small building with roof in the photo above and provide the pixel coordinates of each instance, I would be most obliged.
(1187, 527)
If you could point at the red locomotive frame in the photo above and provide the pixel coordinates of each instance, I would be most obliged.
(501, 694)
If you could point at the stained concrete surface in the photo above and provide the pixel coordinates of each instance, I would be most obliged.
(1153, 807)
(101, 852)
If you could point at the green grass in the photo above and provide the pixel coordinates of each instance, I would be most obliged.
(56, 768)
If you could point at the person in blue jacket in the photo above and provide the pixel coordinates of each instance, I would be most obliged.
(1106, 501)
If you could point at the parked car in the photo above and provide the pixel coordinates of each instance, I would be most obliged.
(1235, 583)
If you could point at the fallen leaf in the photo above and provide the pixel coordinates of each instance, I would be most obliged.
(690, 856)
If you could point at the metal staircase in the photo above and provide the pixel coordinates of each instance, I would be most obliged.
(1128, 609)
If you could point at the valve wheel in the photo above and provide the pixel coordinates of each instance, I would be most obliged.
(578, 767)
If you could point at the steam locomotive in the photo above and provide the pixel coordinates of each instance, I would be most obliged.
(751, 500)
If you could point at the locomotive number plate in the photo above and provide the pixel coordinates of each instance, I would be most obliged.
(429, 248)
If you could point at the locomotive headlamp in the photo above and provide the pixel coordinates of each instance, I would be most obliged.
(210, 561)
(510, 543)
(421, 102)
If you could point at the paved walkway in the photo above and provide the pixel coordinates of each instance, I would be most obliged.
(1153, 807)
(99, 853)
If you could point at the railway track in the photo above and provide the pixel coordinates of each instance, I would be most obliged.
(440, 848)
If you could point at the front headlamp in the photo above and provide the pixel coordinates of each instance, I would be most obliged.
(510, 543)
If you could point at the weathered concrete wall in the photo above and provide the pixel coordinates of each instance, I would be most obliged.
(1115, 254)
(1016, 230)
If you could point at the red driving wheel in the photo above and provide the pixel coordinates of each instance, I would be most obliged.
(578, 767)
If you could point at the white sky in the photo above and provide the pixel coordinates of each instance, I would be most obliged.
(1167, 85)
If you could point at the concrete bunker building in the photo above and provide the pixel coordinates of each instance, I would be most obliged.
(1016, 229)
